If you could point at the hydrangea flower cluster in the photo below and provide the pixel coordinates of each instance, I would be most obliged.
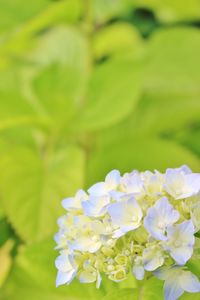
(143, 223)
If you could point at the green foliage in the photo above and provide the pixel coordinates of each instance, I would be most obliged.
(82, 92)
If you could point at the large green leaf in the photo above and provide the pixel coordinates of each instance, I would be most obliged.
(152, 289)
(104, 10)
(172, 91)
(113, 93)
(172, 65)
(15, 12)
(117, 39)
(57, 12)
(39, 182)
(137, 153)
(172, 11)
(33, 277)
(59, 78)
(161, 112)
(123, 294)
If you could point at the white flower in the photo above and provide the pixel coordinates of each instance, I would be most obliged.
(180, 241)
(159, 217)
(153, 183)
(132, 183)
(138, 268)
(74, 203)
(195, 216)
(66, 271)
(89, 274)
(112, 181)
(84, 237)
(96, 206)
(181, 184)
(177, 281)
(103, 230)
(153, 257)
(126, 215)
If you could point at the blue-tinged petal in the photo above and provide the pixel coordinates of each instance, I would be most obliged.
(162, 273)
(132, 183)
(153, 258)
(86, 276)
(138, 271)
(126, 215)
(172, 289)
(96, 206)
(180, 241)
(159, 217)
(62, 263)
(74, 203)
(113, 179)
(189, 282)
(181, 255)
(86, 244)
(98, 189)
(65, 277)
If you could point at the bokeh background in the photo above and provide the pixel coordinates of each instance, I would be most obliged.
(86, 87)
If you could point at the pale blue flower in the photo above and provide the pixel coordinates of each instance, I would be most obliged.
(177, 281)
(158, 217)
(153, 257)
(66, 270)
(126, 215)
(138, 271)
(74, 203)
(180, 241)
(153, 183)
(89, 274)
(132, 183)
(112, 181)
(96, 206)
(83, 235)
(181, 184)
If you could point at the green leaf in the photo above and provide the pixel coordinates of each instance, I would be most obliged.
(116, 39)
(172, 91)
(57, 12)
(152, 289)
(104, 10)
(113, 93)
(171, 11)
(5, 260)
(61, 44)
(160, 112)
(123, 294)
(172, 70)
(141, 153)
(59, 78)
(14, 13)
(39, 182)
(33, 277)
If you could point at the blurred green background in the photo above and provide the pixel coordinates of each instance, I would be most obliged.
(86, 87)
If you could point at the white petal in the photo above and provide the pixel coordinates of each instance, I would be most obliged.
(85, 244)
(63, 278)
(95, 206)
(189, 282)
(138, 271)
(112, 179)
(98, 189)
(159, 217)
(99, 279)
(172, 289)
(87, 277)
(181, 255)
(62, 263)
